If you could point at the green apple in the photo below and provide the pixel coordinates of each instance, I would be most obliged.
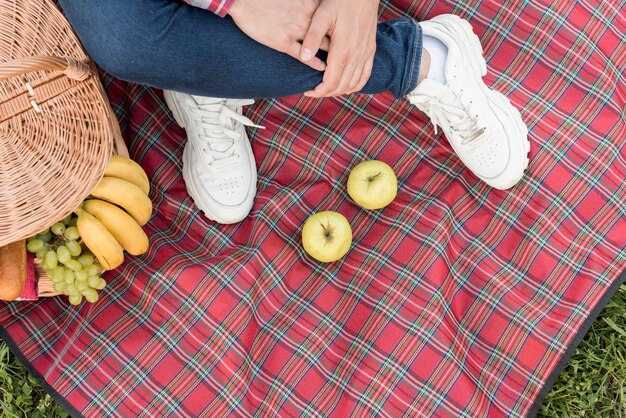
(326, 236)
(372, 184)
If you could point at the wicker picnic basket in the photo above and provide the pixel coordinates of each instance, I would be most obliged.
(57, 130)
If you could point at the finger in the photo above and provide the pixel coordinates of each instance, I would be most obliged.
(330, 82)
(364, 74)
(325, 44)
(336, 80)
(314, 37)
(354, 81)
(309, 6)
(347, 78)
(339, 70)
(315, 63)
(367, 73)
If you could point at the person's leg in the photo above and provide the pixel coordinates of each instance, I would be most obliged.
(177, 47)
(199, 60)
(174, 46)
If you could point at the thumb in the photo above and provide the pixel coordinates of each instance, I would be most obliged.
(320, 24)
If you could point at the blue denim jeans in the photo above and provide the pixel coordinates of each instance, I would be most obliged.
(171, 45)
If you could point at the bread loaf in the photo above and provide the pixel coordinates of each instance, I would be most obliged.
(12, 270)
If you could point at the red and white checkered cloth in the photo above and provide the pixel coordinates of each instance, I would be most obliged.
(219, 7)
(455, 300)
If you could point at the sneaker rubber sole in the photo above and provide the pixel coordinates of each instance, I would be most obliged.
(518, 153)
(192, 187)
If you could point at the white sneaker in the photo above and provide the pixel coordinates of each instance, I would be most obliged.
(218, 165)
(482, 126)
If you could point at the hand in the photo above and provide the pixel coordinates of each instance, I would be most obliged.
(278, 24)
(351, 25)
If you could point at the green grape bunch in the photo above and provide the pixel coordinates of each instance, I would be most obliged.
(72, 268)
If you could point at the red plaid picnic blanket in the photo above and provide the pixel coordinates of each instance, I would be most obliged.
(455, 300)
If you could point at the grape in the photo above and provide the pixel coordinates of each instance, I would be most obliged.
(61, 272)
(93, 281)
(56, 274)
(69, 277)
(81, 286)
(91, 295)
(81, 275)
(74, 273)
(93, 270)
(76, 299)
(58, 228)
(35, 245)
(60, 287)
(53, 273)
(71, 290)
(71, 233)
(53, 279)
(74, 265)
(50, 260)
(74, 247)
(86, 259)
(45, 236)
(63, 254)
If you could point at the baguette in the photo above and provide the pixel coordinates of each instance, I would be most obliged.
(12, 270)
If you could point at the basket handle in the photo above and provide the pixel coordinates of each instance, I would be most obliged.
(71, 67)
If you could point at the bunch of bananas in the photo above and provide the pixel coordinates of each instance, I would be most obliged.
(110, 220)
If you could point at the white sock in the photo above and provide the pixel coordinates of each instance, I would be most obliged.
(438, 52)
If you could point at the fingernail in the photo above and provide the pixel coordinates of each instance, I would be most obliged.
(322, 67)
(306, 54)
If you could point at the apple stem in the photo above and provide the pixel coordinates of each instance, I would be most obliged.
(374, 176)
(326, 230)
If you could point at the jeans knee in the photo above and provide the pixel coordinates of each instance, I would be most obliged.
(115, 60)
(106, 32)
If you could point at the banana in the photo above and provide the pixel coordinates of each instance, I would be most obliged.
(120, 224)
(127, 169)
(126, 195)
(99, 240)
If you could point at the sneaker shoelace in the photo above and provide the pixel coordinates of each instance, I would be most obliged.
(218, 121)
(448, 110)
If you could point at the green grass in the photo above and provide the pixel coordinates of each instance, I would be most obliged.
(21, 394)
(593, 384)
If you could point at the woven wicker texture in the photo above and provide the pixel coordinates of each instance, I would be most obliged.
(56, 126)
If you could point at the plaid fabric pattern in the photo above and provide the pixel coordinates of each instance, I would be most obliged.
(219, 7)
(456, 300)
